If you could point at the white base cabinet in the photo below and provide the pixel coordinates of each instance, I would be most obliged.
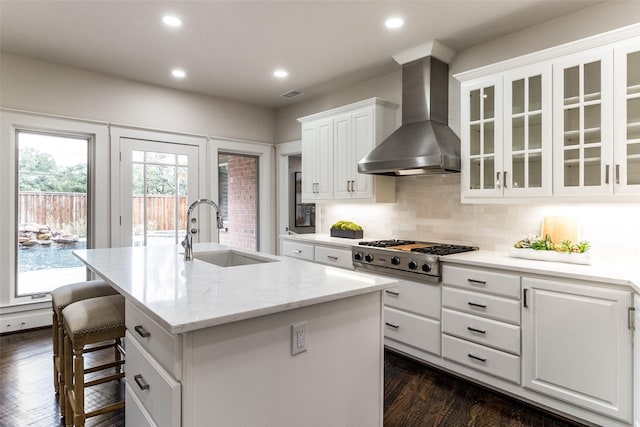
(335, 255)
(578, 345)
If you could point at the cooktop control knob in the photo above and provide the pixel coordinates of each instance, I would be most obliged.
(413, 265)
(357, 256)
(426, 268)
(395, 260)
(368, 257)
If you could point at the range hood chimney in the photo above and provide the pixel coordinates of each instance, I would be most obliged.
(424, 144)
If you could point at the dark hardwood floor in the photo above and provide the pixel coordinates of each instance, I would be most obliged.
(414, 396)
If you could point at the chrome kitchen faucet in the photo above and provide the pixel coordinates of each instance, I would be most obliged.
(187, 243)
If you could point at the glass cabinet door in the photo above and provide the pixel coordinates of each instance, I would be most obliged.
(583, 129)
(627, 150)
(527, 139)
(482, 137)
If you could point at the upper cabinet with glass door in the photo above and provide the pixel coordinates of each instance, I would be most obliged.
(627, 117)
(583, 123)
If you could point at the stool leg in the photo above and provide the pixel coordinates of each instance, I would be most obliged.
(62, 397)
(68, 382)
(56, 351)
(78, 387)
(118, 355)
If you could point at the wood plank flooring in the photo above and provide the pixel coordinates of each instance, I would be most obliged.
(414, 396)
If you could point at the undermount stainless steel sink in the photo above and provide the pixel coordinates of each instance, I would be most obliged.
(230, 258)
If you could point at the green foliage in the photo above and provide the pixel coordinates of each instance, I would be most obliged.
(39, 171)
(538, 243)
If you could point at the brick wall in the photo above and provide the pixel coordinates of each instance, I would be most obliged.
(241, 202)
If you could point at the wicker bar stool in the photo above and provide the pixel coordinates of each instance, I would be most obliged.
(60, 298)
(88, 322)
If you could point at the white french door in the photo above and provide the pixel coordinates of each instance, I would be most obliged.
(158, 181)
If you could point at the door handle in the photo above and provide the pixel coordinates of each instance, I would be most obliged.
(142, 331)
(141, 382)
(480, 331)
(395, 294)
(392, 325)
(617, 174)
(606, 174)
(473, 304)
(498, 174)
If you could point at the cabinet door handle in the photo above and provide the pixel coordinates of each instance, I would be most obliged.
(353, 186)
(632, 319)
(480, 331)
(474, 304)
(395, 294)
(391, 325)
(606, 174)
(332, 258)
(617, 174)
(141, 382)
(142, 331)
(296, 251)
(524, 297)
(477, 282)
(482, 359)
(498, 179)
(504, 179)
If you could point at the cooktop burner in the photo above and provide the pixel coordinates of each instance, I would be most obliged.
(387, 243)
(443, 249)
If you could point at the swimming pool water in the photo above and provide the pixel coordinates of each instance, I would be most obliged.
(46, 257)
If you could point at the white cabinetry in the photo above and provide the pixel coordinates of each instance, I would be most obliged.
(320, 252)
(563, 123)
(332, 144)
(578, 345)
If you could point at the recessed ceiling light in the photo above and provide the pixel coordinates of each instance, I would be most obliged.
(172, 21)
(281, 74)
(394, 23)
(178, 74)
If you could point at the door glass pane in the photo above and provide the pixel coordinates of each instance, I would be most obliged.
(571, 168)
(52, 214)
(571, 126)
(517, 134)
(535, 93)
(535, 131)
(633, 118)
(474, 105)
(592, 167)
(535, 170)
(489, 173)
(238, 194)
(517, 96)
(162, 158)
(571, 85)
(517, 180)
(592, 81)
(489, 99)
(474, 137)
(633, 73)
(474, 175)
(489, 143)
(633, 164)
(592, 123)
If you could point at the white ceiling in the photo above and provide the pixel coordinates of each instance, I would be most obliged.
(231, 48)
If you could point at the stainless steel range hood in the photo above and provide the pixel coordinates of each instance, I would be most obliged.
(424, 144)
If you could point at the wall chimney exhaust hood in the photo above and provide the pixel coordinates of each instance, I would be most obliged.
(424, 144)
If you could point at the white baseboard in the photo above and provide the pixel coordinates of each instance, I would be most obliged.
(12, 322)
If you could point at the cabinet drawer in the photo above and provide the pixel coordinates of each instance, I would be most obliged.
(412, 330)
(492, 333)
(485, 359)
(298, 250)
(166, 348)
(135, 414)
(419, 298)
(483, 281)
(335, 257)
(482, 304)
(158, 392)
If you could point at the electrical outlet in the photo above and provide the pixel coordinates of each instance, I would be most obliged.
(298, 338)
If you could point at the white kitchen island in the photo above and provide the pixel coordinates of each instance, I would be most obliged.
(211, 345)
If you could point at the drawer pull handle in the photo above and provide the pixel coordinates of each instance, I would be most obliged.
(475, 304)
(141, 382)
(391, 325)
(480, 331)
(332, 258)
(481, 359)
(142, 331)
(296, 251)
(395, 294)
(477, 282)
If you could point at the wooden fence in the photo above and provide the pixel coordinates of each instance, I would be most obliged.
(68, 211)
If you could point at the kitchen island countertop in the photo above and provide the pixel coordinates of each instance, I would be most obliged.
(186, 296)
(613, 274)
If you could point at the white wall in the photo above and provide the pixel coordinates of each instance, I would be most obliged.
(429, 208)
(44, 87)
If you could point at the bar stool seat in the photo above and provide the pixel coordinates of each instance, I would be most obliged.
(60, 298)
(88, 322)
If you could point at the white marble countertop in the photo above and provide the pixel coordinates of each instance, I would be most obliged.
(185, 296)
(613, 274)
(324, 239)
